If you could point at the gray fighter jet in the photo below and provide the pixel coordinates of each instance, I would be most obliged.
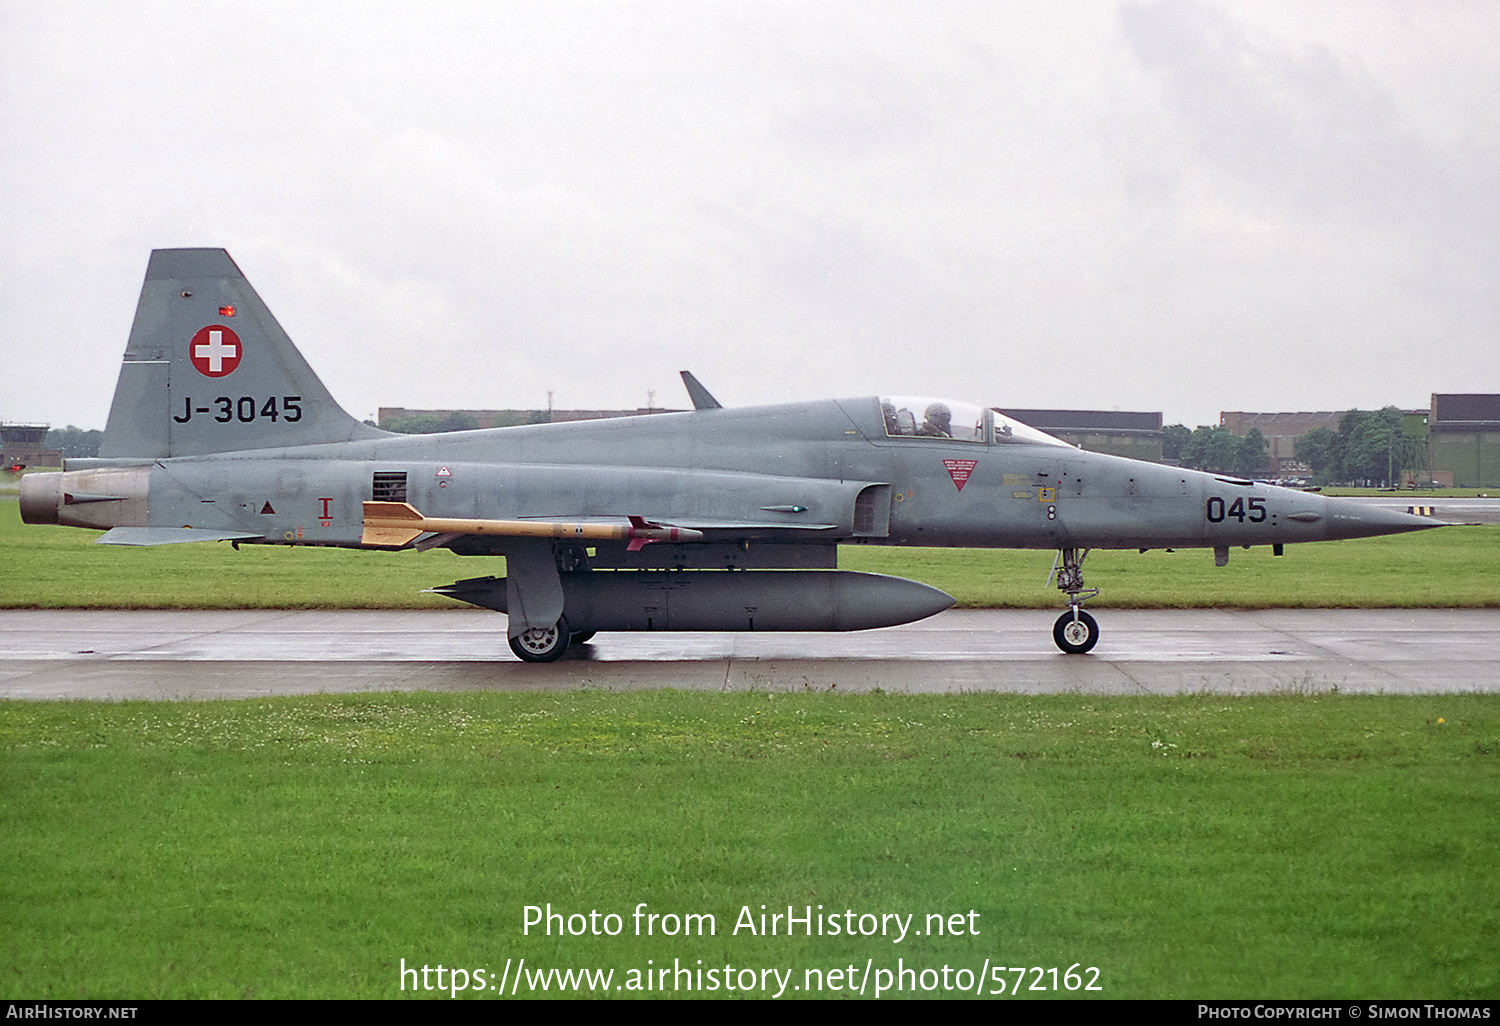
(711, 520)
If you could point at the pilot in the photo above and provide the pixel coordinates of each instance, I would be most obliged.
(888, 411)
(938, 422)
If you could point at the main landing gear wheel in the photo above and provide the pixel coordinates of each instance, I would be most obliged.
(542, 644)
(1075, 635)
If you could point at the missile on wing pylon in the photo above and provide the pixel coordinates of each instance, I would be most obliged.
(725, 600)
(394, 524)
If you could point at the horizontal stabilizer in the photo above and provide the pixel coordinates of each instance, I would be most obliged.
(171, 536)
(395, 524)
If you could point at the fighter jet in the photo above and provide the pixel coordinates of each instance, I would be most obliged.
(715, 519)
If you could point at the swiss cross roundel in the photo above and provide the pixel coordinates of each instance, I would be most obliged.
(215, 350)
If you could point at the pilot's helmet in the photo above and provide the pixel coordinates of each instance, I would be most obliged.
(939, 415)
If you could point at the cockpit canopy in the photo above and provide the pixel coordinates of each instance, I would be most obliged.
(918, 417)
(1013, 432)
(909, 416)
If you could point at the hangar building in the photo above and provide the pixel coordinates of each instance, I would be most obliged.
(1137, 435)
(1459, 437)
(1281, 431)
(1463, 439)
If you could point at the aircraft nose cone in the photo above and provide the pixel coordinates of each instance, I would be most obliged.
(1356, 518)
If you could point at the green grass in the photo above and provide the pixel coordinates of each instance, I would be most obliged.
(1197, 846)
(61, 567)
(1458, 566)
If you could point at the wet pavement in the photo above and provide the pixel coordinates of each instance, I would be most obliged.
(233, 654)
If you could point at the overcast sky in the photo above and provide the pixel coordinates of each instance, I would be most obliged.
(1177, 206)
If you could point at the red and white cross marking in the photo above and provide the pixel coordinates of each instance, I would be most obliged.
(215, 351)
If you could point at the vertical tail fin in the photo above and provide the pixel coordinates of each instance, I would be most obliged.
(208, 369)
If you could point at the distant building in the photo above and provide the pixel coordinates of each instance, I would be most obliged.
(22, 445)
(1137, 435)
(1463, 440)
(389, 415)
(1281, 431)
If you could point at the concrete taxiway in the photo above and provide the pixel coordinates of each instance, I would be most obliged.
(238, 654)
(1448, 510)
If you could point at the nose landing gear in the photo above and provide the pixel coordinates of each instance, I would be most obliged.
(1075, 631)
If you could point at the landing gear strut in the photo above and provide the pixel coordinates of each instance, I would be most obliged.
(1075, 631)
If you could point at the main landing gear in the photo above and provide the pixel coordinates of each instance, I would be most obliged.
(542, 644)
(1075, 631)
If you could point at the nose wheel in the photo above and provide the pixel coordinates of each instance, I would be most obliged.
(1075, 631)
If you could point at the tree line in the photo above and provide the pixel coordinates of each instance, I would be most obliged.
(1218, 450)
(1369, 447)
(74, 443)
